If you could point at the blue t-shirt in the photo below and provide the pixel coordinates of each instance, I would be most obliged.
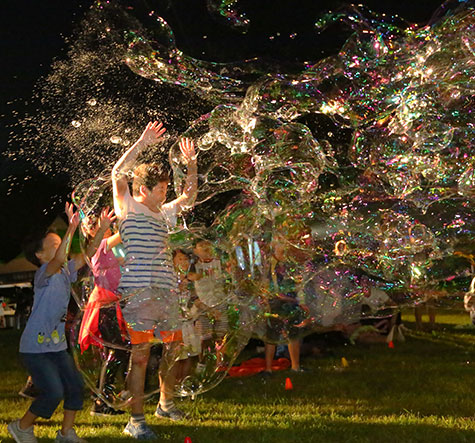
(44, 331)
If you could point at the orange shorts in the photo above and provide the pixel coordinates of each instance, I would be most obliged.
(139, 337)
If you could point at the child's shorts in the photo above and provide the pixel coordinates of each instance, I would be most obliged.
(56, 377)
(146, 309)
(208, 327)
(283, 321)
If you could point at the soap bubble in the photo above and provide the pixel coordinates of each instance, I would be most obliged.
(226, 11)
(348, 176)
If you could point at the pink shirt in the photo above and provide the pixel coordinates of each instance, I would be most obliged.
(106, 268)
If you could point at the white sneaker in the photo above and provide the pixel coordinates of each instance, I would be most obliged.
(21, 435)
(70, 437)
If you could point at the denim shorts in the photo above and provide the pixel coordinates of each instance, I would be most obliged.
(56, 377)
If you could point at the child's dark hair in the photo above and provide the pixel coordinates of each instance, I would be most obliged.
(204, 239)
(179, 251)
(149, 175)
(33, 244)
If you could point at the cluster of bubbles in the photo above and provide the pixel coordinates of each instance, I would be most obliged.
(229, 11)
(354, 174)
(159, 59)
(404, 183)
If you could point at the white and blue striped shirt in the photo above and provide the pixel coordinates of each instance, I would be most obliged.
(144, 235)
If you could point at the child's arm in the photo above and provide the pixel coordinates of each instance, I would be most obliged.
(194, 276)
(200, 305)
(188, 195)
(62, 252)
(308, 319)
(105, 219)
(150, 135)
(113, 241)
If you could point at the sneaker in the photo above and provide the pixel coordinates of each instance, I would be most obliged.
(70, 437)
(21, 435)
(265, 374)
(173, 414)
(139, 431)
(29, 391)
(103, 410)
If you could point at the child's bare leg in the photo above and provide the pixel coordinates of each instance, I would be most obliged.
(294, 352)
(102, 375)
(418, 316)
(68, 421)
(185, 367)
(269, 356)
(27, 420)
(167, 372)
(136, 379)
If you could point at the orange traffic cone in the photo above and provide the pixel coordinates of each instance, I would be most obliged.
(344, 362)
(288, 384)
(187, 440)
(391, 345)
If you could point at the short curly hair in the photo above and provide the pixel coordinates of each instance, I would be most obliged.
(148, 175)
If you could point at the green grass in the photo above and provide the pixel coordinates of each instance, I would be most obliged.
(420, 391)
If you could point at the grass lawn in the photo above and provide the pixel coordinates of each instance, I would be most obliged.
(420, 391)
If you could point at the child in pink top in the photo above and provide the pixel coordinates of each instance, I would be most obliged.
(103, 324)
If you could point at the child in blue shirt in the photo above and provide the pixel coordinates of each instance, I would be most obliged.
(43, 347)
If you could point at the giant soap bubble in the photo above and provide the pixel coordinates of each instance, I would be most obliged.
(314, 185)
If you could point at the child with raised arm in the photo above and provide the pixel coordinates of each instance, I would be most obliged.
(43, 342)
(103, 324)
(148, 284)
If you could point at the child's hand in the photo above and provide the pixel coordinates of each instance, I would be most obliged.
(74, 220)
(73, 217)
(106, 218)
(69, 209)
(193, 276)
(187, 149)
(152, 133)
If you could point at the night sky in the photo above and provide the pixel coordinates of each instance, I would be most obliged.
(32, 36)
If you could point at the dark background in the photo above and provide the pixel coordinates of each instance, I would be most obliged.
(32, 35)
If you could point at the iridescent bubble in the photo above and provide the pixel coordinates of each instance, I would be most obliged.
(227, 10)
(350, 177)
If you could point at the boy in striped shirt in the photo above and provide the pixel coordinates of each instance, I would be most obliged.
(148, 283)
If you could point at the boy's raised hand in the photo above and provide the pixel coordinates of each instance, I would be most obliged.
(151, 134)
(106, 218)
(187, 149)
